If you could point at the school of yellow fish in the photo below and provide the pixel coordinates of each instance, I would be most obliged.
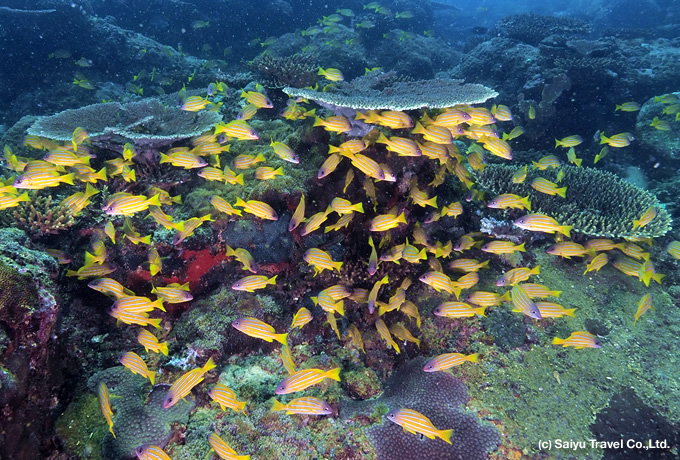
(429, 138)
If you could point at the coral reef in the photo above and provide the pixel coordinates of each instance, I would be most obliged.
(39, 217)
(150, 123)
(137, 421)
(532, 28)
(402, 95)
(594, 203)
(439, 396)
(298, 70)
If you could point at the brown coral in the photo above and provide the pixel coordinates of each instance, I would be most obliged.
(39, 217)
(298, 70)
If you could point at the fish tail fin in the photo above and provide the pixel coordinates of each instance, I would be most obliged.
(240, 202)
(636, 223)
(321, 71)
(208, 365)
(230, 251)
(242, 406)
(578, 162)
(505, 297)
(558, 341)
(24, 197)
(565, 230)
(562, 192)
(484, 264)
(243, 93)
(557, 143)
(317, 121)
(521, 247)
(155, 200)
(658, 277)
(165, 158)
(505, 136)
(163, 348)
(603, 139)
(570, 312)
(146, 239)
(401, 218)
(185, 286)
(536, 270)
(155, 322)
(71, 273)
(618, 107)
(337, 266)
(525, 201)
(282, 338)
(340, 307)
(158, 303)
(418, 128)
(445, 435)
(277, 406)
(473, 358)
(359, 207)
(456, 291)
(278, 171)
(272, 280)
(333, 374)
(480, 311)
(67, 178)
(152, 377)
(432, 202)
(382, 139)
(259, 157)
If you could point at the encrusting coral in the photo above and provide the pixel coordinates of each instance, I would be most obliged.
(597, 203)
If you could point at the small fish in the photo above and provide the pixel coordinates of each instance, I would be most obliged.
(648, 216)
(298, 215)
(628, 107)
(454, 309)
(137, 304)
(195, 103)
(329, 165)
(569, 141)
(578, 340)
(542, 223)
(520, 175)
(321, 260)
(36, 179)
(440, 282)
(571, 156)
(414, 422)
(449, 360)
(516, 132)
(384, 222)
(547, 162)
(148, 452)
(502, 247)
(373, 258)
(105, 405)
(487, 299)
(523, 303)
(661, 125)
(617, 140)
(257, 208)
(222, 205)
(252, 282)
(183, 385)
(343, 206)
(268, 173)
(385, 334)
(304, 379)
(553, 310)
(11, 201)
(603, 153)
(538, 291)
(223, 450)
(517, 275)
(367, 166)
(497, 147)
(373, 294)
(247, 112)
(140, 319)
(187, 227)
(240, 129)
(302, 317)
(304, 406)
(173, 293)
(154, 259)
(400, 332)
(257, 99)
(108, 286)
(331, 74)
(674, 249)
(244, 161)
(243, 256)
(452, 210)
(284, 152)
(315, 221)
(355, 337)
(597, 263)
(532, 112)
(258, 329)
(509, 200)
(644, 305)
(127, 205)
(136, 364)
(226, 398)
(337, 124)
(543, 185)
(151, 343)
(567, 249)
(62, 257)
(92, 271)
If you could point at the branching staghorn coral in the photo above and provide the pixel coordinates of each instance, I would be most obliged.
(298, 70)
(41, 216)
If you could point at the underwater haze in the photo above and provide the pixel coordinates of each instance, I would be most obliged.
(350, 230)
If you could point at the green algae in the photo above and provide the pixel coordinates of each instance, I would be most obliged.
(82, 427)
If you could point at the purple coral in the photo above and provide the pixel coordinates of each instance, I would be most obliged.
(439, 396)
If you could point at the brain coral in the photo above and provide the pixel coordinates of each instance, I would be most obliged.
(400, 95)
(137, 420)
(438, 395)
(598, 203)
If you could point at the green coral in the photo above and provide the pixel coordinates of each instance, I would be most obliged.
(597, 203)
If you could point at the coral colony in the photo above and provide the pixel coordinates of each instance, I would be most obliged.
(285, 248)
